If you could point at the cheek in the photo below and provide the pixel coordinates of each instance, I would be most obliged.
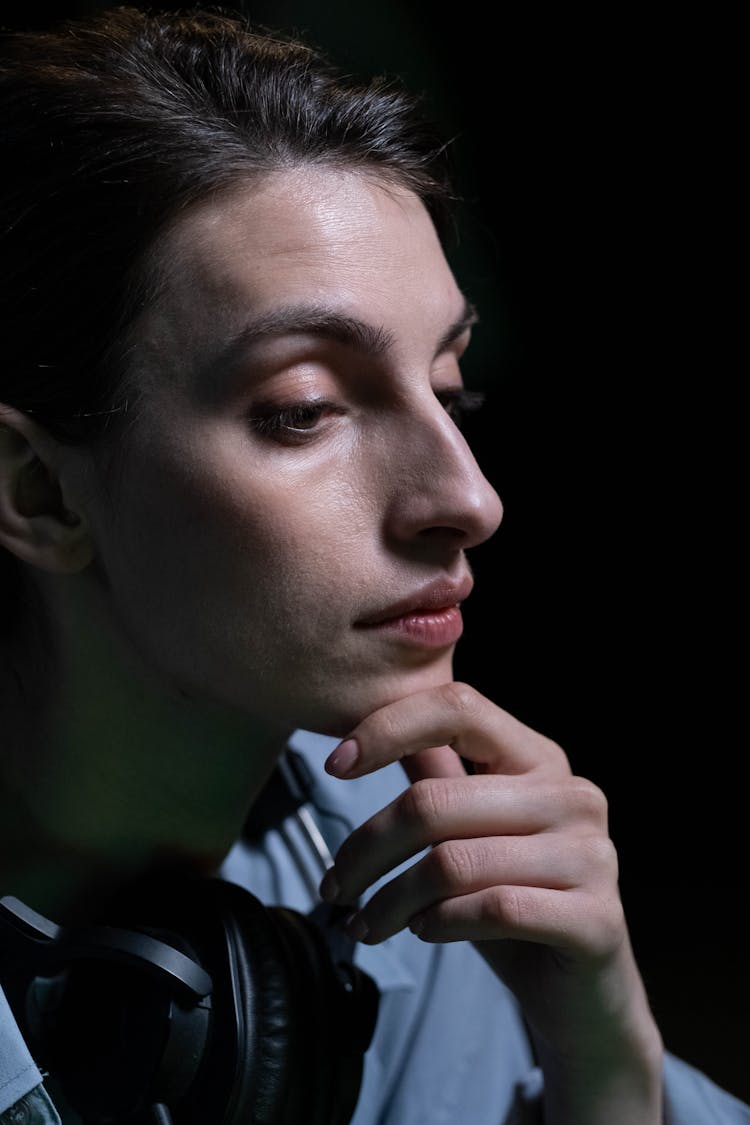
(212, 543)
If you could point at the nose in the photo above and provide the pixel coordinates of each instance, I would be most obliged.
(440, 495)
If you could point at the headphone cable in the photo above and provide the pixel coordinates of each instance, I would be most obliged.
(160, 1115)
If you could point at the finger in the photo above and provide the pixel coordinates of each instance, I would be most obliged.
(572, 921)
(459, 868)
(438, 809)
(452, 715)
(437, 761)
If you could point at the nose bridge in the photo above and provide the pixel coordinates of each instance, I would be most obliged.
(443, 485)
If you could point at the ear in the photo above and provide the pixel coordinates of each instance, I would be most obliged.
(37, 524)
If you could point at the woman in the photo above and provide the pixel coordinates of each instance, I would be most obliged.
(235, 506)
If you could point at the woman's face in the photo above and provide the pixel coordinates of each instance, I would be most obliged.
(287, 527)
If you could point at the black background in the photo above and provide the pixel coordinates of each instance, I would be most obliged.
(598, 154)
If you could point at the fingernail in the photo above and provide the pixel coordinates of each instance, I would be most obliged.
(356, 927)
(329, 887)
(343, 759)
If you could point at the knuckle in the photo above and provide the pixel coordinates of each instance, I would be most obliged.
(426, 801)
(451, 866)
(553, 758)
(611, 926)
(590, 801)
(615, 922)
(380, 730)
(504, 905)
(460, 697)
(599, 853)
(549, 756)
(554, 752)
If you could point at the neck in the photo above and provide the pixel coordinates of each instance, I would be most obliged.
(121, 775)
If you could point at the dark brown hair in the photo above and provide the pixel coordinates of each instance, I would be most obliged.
(109, 126)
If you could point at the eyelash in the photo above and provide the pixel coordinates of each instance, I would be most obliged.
(300, 418)
(291, 420)
(459, 403)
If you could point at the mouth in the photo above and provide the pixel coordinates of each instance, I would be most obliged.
(430, 616)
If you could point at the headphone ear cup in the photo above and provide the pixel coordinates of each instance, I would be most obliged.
(243, 1074)
(104, 1032)
(300, 1027)
(280, 1039)
(255, 992)
(335, 1012)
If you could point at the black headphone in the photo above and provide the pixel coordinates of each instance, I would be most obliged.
(209, 1009)
(190, 1002)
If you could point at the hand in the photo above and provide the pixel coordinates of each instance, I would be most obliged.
(520, 862)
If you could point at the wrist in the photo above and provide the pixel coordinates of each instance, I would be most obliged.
(605, 1064)
(615, 1083)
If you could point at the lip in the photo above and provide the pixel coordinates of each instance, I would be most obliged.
(436, 599)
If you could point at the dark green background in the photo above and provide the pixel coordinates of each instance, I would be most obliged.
(598, 157)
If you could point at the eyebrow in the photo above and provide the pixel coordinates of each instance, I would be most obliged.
(327, 323)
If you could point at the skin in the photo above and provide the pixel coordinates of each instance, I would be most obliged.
(223, 572)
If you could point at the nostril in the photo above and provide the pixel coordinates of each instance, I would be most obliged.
(443, 531)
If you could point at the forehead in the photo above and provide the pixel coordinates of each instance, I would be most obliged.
(345, 240)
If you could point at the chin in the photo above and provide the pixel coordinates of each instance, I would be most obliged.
(339, 717)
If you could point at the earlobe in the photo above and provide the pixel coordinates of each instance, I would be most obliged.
(36, 524)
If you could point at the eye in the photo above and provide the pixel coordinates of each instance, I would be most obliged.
(292, 422)
(460, 403)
